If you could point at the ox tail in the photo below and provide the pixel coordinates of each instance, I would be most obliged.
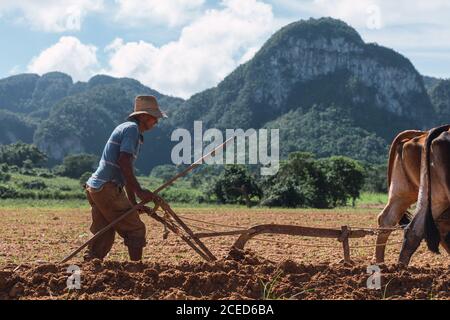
(432, 236)
(394, 149)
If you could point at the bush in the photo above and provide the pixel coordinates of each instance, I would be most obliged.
(375, 178)
(84, 178)
(27, 172)
(35, 184)
(164, 172)
(7, 192)
(21, 154)
(27, 164)
(180, 195)
(58, 170)
(4, 177)
(74, 166)
(13, 168)
(45, 175)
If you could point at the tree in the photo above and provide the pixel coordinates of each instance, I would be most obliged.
(286, 194)
(344, 177)
(299, 183)
(22, 153)
(75, 165)
(164, 172)
(375, 178)
(303, 181)
(236, 184)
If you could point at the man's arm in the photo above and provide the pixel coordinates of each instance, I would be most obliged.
(131, 194)
(132, 186)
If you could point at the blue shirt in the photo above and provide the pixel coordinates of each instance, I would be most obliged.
(125, 138)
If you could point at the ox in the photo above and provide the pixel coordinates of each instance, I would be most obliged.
(403, 181)
(432, 217)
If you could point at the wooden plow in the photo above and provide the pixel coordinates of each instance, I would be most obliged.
(171, 221)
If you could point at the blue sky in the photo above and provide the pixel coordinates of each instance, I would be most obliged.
(180, 47)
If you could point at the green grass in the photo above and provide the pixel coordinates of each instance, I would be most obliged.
(83, 204)
(43, 203)
(369, 198)
(65, 192)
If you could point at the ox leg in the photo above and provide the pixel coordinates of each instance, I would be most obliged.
(414, 235)
(390, 217)
(443, 225)
(441, 216)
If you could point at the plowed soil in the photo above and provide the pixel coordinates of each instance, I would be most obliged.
(241, 275)
(284, 267)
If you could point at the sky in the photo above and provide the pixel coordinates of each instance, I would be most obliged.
(181, 47)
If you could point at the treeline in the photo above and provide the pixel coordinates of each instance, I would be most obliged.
(24, 173)
(302, 180)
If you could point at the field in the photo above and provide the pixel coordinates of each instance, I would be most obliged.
(280, 267)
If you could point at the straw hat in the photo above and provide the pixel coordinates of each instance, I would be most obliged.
(147, 105)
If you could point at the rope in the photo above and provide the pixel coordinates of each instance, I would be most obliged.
(295, 244)
(399, 227)
(377, 245)
(214, 224)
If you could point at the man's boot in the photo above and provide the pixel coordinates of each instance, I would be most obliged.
(135, 253)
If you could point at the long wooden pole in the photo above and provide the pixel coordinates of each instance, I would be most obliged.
(142, 203)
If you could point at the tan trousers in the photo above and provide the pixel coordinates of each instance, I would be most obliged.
(108, 203)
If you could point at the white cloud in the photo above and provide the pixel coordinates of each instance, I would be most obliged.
(50, 15)
(401, 22)
(404, 25)
(207, 50)
(357, 13)
(152, 12)
(68, 55)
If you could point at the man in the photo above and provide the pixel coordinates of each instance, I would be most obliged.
(104, 189)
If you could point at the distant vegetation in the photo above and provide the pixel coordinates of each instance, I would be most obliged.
(302, 181)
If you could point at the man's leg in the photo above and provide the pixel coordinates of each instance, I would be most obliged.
(100, 247)
(113, 202)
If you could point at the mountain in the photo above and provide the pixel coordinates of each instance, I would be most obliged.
(15, 127)
(440, 97)
(307, 68)
(63, 117)
(316, 80)
(430, 82)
